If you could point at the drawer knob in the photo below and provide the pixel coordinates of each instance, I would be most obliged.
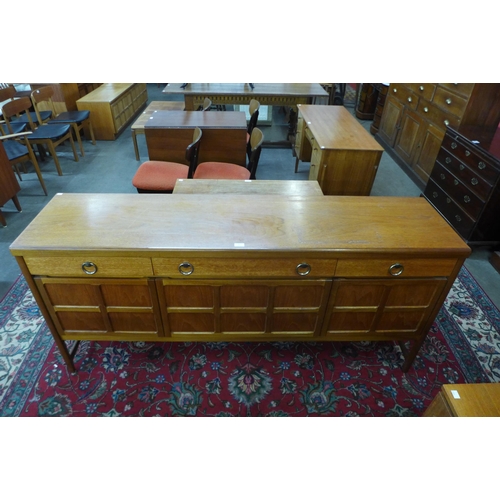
(89, 268)
(482, 165)
(458, 218)
(303, 269)
(446, 122)
(467, 199)
(410, 99)
(443, 177)
(448, 101)
(467, 152)
(447, 159)
(448, 200)
(396, 269)
(186, 268)
(462, 167)
(454, 145)
(426, 109)
(421, 87)
(434, 194)
(395, 90)
(474, 181)
(455, 182)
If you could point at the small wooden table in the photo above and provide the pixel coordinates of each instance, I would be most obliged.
(466, 400)
(168, 133)
(138, 126)
(220, 186)
(344, 156)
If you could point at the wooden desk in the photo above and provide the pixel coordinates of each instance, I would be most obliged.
(112, 106)
(168, 133)
(474, 400)
(344, 156)
(273, 94)
(239, 268)
(220, 186)
(154, 106)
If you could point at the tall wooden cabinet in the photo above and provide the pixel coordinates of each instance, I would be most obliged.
(185, 268)
(416, 115)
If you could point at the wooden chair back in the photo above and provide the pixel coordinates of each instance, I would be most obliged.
(7, 93)
(256, 140)
(193, 150)
(254, 114)
(17, 107)
(43, 95)
(207, 104)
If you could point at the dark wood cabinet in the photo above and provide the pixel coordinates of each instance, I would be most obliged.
(464, 187)
(416, 115)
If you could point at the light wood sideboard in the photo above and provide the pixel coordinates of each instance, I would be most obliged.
(113, 106)
(343, 156)
(289, 268)
(466, 400)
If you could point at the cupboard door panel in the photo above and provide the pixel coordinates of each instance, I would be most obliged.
(380, 307)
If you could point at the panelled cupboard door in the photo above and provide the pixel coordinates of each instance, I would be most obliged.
(242, 308)
(110, 309)
(360, 309)
(429, 144)
(389, 124)
(406, 142)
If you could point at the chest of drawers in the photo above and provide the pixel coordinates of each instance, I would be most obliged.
(416, 116)
(464, 186)
(185, 268)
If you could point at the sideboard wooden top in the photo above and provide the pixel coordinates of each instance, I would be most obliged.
(334, 127)
(145, 223)
(107, 92)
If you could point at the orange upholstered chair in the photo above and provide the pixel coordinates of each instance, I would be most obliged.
(220, 170)
(160, 176)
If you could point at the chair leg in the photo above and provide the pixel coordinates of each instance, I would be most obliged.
(54, 156)
(76, 130)
(37, 169)
(75, 155)
(16, 168)
(16, 203)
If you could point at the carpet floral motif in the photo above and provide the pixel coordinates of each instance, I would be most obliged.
(243, 379)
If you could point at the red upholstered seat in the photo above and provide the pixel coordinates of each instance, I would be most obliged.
(217, 170)
(159, 175)
(155, 176)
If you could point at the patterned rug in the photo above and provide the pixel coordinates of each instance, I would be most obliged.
(243, 379)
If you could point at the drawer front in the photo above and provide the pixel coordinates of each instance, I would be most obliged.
(479, 164)
(202, 267)
(90, 266)
(464, 174)
(455, 189)
(452, 103)
(437, 115)
(396, 267)
(464, 89)
(424, 90)
(458, 219)
(403, 94)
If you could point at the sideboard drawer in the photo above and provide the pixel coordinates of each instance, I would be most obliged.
(404, 95)
(102, 267)
(425, 90)
(203, 267)
(464, 89)
(437, 115)
(387, 268)
(452, 103)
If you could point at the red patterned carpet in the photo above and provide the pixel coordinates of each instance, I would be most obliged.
(243, 379)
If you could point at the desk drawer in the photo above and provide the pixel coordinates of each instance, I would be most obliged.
(389, 268)
(102, 267)
(203, 267)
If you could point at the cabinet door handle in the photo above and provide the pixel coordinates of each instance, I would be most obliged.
(303, 269)
(396, 269)
(186, 268)
(89, 268)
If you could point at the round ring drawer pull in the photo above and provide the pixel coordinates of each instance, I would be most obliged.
(467, 152)
(474, 181)
(448, 200)
(461, 167)
(89, 268)
(434, 194)
(186, 268)
(467, 199)
(454, 145)
(303, 269)
(455, 182)
(396, 269)
(447, 159)
(458, 218)
(443, 177)
(482, 165)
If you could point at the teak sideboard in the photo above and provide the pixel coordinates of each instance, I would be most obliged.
(239, 268)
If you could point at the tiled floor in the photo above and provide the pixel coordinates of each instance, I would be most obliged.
(109, 167)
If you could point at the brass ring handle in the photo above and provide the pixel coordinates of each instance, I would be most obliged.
(396, 269)
(303, 269)
(89, 268)
(186, 268)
